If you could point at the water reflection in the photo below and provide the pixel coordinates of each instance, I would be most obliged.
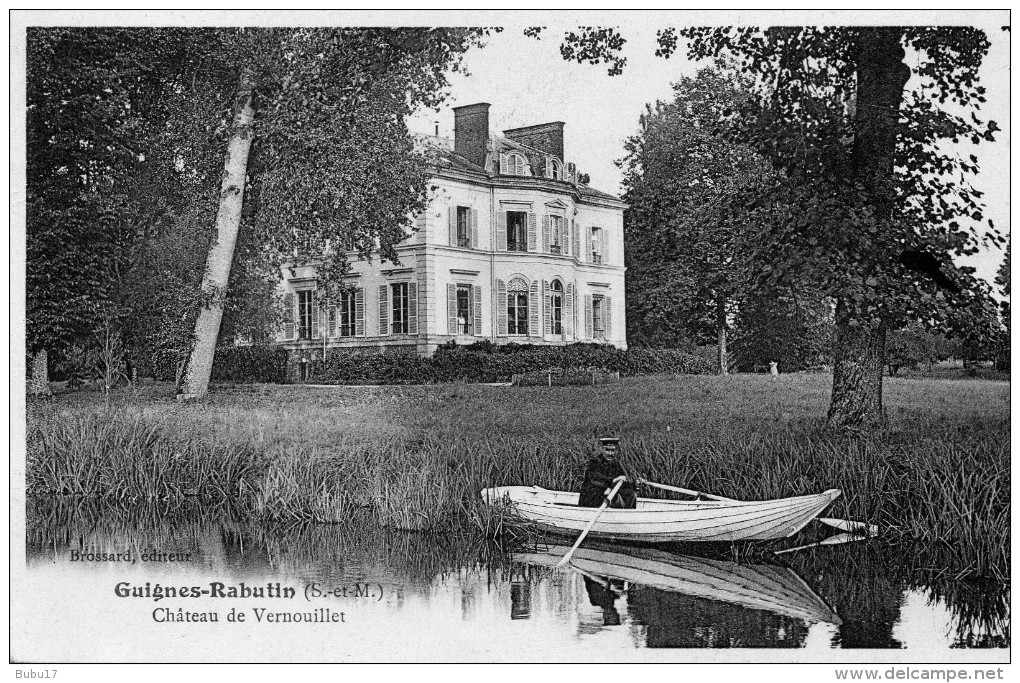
(685, 601)
(456, 597)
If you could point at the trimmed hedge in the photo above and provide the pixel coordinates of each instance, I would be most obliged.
(250, 364)
(486, 362)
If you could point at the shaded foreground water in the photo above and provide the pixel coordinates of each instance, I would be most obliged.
(357, 592)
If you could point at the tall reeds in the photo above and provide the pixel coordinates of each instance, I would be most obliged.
(416, 457)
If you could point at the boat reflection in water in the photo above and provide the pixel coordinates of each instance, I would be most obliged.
(685, 601)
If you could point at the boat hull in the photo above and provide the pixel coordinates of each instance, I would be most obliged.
(664, 521)
(767, 587)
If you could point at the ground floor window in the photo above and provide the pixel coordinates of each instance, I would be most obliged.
(399, 308)
(556, 307)
(464, 316)
(305, 304)
(517, 313)
(598, 316)
(348, 313)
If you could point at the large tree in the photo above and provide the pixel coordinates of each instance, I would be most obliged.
(147, 146)
(871, 198)
(683, 232)
(332, 163)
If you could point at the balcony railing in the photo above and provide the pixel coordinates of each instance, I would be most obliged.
(555, 249)
(596, 258)
(463, 241)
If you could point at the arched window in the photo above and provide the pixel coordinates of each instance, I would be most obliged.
(515, 165)
(554, 169)
(517, 307)
(556, 307)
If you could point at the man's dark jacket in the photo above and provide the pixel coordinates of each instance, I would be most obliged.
(598, 477)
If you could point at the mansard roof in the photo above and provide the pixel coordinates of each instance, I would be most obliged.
(447, 158)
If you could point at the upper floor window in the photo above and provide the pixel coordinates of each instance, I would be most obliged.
(515, 164)
(306, 302)
(516, 231)
(463, 226)
(553, 169)
(556, 236)
(596, 245)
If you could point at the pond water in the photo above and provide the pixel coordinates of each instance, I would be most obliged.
(146, 585)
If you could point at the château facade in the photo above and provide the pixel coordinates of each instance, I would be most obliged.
(512, 248)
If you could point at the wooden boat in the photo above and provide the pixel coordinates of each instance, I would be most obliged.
(664, 521)
(767, 587)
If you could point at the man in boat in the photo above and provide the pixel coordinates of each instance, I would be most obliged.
(601, 475)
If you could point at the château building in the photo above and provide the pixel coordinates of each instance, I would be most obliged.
(512, 248)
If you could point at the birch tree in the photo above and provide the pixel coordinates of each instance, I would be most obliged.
(317, 139)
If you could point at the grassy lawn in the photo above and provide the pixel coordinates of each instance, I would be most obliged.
(415, 457)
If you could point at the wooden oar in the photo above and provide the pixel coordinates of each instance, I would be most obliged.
(677, 489)
(841, 524)
(838, 539)
(851, 526)
(609, 498)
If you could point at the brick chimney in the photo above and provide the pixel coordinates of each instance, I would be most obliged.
(471, 131)
(547, 137)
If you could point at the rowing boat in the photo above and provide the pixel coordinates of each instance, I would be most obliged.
(664, 521)
(768, 587)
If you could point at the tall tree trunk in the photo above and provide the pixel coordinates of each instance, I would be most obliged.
(720, 325)
(40, 382)
(856, 374)
(860, 348)
(221, 252)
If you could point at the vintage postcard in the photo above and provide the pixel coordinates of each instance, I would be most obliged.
(484, 337)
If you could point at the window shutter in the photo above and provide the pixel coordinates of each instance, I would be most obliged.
(332, 321)
(453, 226)
(289, 328)
(473, 218)
(587, 244)
(501, 230)
(477, 292)
(576, 238)
(315, 315)
(608, 313)
(547, 309)
(532, 232)
(504, 164)
(384, 312)
(412, 308)
(501, 302)
(589, 330)
(546, 221)
(534, 327)
(568, 311)
(359, 312)
(451, 308)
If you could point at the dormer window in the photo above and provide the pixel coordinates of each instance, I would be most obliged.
(553, 168)
(514, 164)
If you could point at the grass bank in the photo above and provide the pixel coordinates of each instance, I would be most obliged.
(415, 457)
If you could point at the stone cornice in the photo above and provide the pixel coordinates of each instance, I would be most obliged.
(527, 183)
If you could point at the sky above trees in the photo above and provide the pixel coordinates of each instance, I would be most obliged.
(527, 82)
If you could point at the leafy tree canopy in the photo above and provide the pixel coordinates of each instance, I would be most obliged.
(683, 232)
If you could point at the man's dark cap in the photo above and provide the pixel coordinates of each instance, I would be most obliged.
(609, 441)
